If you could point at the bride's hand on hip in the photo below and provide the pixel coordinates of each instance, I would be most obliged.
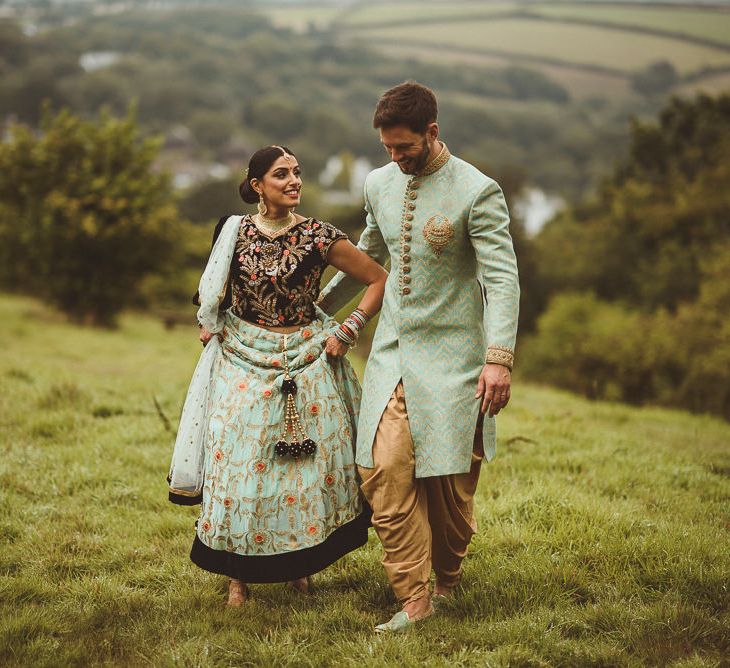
(335, 348)
(205, 335)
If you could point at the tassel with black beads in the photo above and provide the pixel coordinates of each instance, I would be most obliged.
(300, 444)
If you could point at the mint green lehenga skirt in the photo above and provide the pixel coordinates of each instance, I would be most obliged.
(266, 517)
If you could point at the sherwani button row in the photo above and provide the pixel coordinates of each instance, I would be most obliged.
(406, 237)
(406, 279)
(406, 258)
(409, 216)
(411, 206)
(407, 226)
(415, 185)
(406, 291)
(406, 270)
(406, 248)
(413, 195)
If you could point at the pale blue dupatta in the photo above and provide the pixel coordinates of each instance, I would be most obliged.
(188, 457)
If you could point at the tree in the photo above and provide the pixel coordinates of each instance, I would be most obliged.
(530, 84)
(209, 200)
(701, 332)
(275, 116)
(212, 129)
(650, 261)
(14, 47)
(641, 240)
(83, 217)
(655, 79)
(25, 90)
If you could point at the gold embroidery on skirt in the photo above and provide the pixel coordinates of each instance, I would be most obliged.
(439, 230)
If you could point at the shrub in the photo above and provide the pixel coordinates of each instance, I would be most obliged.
(83, 217)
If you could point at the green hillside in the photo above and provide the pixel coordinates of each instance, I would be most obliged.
(604, 39)
(603, 533)
(611, 49)
(700, 22)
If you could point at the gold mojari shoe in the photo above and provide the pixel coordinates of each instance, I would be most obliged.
(401, 622)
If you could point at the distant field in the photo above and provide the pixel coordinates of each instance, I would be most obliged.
(703, 23)
(407, 11)
(580, 83)
(484, 34)
(716, 84)
(607, 48)
(300, 18)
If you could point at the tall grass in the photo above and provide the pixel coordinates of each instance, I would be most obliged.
(603, 536)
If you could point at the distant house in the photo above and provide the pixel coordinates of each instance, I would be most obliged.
(236, 154)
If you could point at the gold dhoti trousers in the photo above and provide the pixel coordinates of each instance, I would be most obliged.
(422, 523)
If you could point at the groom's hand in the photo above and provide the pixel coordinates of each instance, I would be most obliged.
(494, 388)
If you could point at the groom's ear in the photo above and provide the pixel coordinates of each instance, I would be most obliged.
(432, 131)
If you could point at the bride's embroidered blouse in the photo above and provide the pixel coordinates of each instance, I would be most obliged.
(274, 281)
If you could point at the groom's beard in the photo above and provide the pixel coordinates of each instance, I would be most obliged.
(416, 163)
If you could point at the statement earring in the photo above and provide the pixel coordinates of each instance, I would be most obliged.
(261, 206)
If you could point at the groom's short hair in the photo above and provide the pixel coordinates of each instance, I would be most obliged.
(410, 104)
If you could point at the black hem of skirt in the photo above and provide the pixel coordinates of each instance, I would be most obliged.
(284, 566)
(182, 500)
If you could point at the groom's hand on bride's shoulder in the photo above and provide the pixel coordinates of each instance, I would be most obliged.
(335, 348)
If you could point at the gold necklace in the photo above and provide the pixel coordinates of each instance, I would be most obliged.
(270, 227)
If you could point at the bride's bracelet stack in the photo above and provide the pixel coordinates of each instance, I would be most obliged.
(349, 331)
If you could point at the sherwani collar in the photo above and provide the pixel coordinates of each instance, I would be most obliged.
(437, 163)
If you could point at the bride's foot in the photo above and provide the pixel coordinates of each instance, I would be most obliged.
(302, 585)
(237, 593)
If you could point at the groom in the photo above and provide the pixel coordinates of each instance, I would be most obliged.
(446, 333)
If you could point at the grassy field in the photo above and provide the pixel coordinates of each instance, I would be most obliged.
(603, 535)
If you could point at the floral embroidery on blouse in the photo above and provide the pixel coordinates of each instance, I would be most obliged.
(275, 281)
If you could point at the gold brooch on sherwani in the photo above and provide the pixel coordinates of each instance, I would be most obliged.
(438, 231)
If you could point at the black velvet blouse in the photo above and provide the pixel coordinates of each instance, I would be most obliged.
(274, 281)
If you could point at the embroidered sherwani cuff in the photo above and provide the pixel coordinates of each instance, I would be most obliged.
(500, 355)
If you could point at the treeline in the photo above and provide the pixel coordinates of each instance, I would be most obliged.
(637, 280)
(228, 74)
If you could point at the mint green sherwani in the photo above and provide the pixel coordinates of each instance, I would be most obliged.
(451, 295)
